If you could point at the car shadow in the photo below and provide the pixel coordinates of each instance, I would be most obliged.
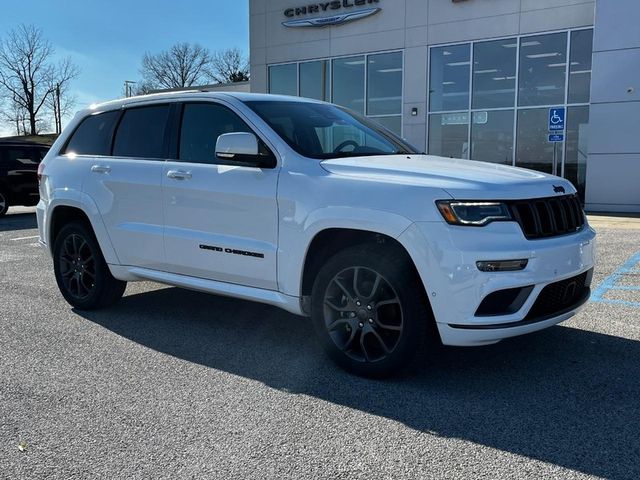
(18, 221)
(564, 396)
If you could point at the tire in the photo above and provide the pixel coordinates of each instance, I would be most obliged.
(81, 272)
(369, 310)
(4, 204)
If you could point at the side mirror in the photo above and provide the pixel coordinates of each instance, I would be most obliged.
(240, 146)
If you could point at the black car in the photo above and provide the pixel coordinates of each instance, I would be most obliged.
(18, 173)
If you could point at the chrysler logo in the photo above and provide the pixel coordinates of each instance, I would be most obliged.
(337, 19)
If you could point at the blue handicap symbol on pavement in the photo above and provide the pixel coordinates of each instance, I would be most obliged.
(630, 269)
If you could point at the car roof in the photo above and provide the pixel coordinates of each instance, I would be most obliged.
(192, 94)
(13, 143)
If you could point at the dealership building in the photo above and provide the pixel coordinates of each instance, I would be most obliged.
(552, 85)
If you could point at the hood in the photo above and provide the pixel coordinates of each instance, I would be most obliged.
(462, 179)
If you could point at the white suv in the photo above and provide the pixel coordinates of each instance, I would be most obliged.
(312, 208)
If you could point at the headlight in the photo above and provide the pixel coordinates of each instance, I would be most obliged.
(473, 213)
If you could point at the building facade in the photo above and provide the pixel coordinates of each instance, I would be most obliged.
(550, 85)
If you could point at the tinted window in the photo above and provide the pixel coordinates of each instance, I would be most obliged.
(449, 78)
(348, 82)
(202, 124)
(580, 66)
(543, 61)
(141, 132)
(19, 157)
(494, 74)
(492, 136)
(449, 134)
(93, 136)
(384, 87)
(282, 79)
(41, 154)
(314, 80)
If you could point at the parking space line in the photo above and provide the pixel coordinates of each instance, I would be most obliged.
(630, 267)
(24, 238)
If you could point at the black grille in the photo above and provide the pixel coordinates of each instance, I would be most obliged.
(561, 295)
(548, 217)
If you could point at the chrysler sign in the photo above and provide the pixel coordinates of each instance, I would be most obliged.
(346, 11)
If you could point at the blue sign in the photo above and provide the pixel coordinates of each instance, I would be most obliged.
(556, 137)
(556, 119)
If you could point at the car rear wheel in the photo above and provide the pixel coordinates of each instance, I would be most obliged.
(369, 310)
(81, 272)
(4, 204)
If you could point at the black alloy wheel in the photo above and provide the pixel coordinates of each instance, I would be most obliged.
(362, 314)
(82, 274)
(369, 309)
(77, 266)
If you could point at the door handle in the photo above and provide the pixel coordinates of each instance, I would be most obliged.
(179, 174)
(100, 169)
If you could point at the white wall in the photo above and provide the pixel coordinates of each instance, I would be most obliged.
(411, 25)
(613, 165)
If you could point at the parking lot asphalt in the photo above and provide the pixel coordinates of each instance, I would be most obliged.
(176, 384)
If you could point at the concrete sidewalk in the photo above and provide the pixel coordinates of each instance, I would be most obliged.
(613, 220)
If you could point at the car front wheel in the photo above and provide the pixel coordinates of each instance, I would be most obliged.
(369, 310)
(81, 272)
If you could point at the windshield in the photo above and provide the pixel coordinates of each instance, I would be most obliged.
(321, 130)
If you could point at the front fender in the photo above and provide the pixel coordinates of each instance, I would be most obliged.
(295, 238)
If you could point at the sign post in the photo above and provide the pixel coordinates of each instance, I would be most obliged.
(556, 132)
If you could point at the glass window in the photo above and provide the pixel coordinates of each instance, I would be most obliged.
(580, 66)
(384, 83)
(141, 132)
(393, 123)
(202, 124)
(494, 73)
(575, 161)
(348, 82)
(93, 136)
(20, 156)
(448, 135)
(314, 80)
(282, 79)
(492, 136)
(322, 131)
(543, 62)
(532, 147)
(449, 78)
(41, 154)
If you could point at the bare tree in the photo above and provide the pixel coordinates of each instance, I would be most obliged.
(16, 116)
(60, 102)
(183, 65)
(25, 71)
(229, 66)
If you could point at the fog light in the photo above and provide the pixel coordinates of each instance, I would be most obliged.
(502, 265)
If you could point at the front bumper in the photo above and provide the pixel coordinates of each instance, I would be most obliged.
(446, 257)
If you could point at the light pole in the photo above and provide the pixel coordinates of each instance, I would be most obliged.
(128, 91)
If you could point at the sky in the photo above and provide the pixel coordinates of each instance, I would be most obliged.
(107, 39)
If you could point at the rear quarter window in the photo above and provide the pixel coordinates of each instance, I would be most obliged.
(141, 132)
(93, 135)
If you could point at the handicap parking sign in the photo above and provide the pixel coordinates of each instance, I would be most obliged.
(556, 119)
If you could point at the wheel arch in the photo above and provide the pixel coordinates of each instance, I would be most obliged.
(62, 213)
(330, 241)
